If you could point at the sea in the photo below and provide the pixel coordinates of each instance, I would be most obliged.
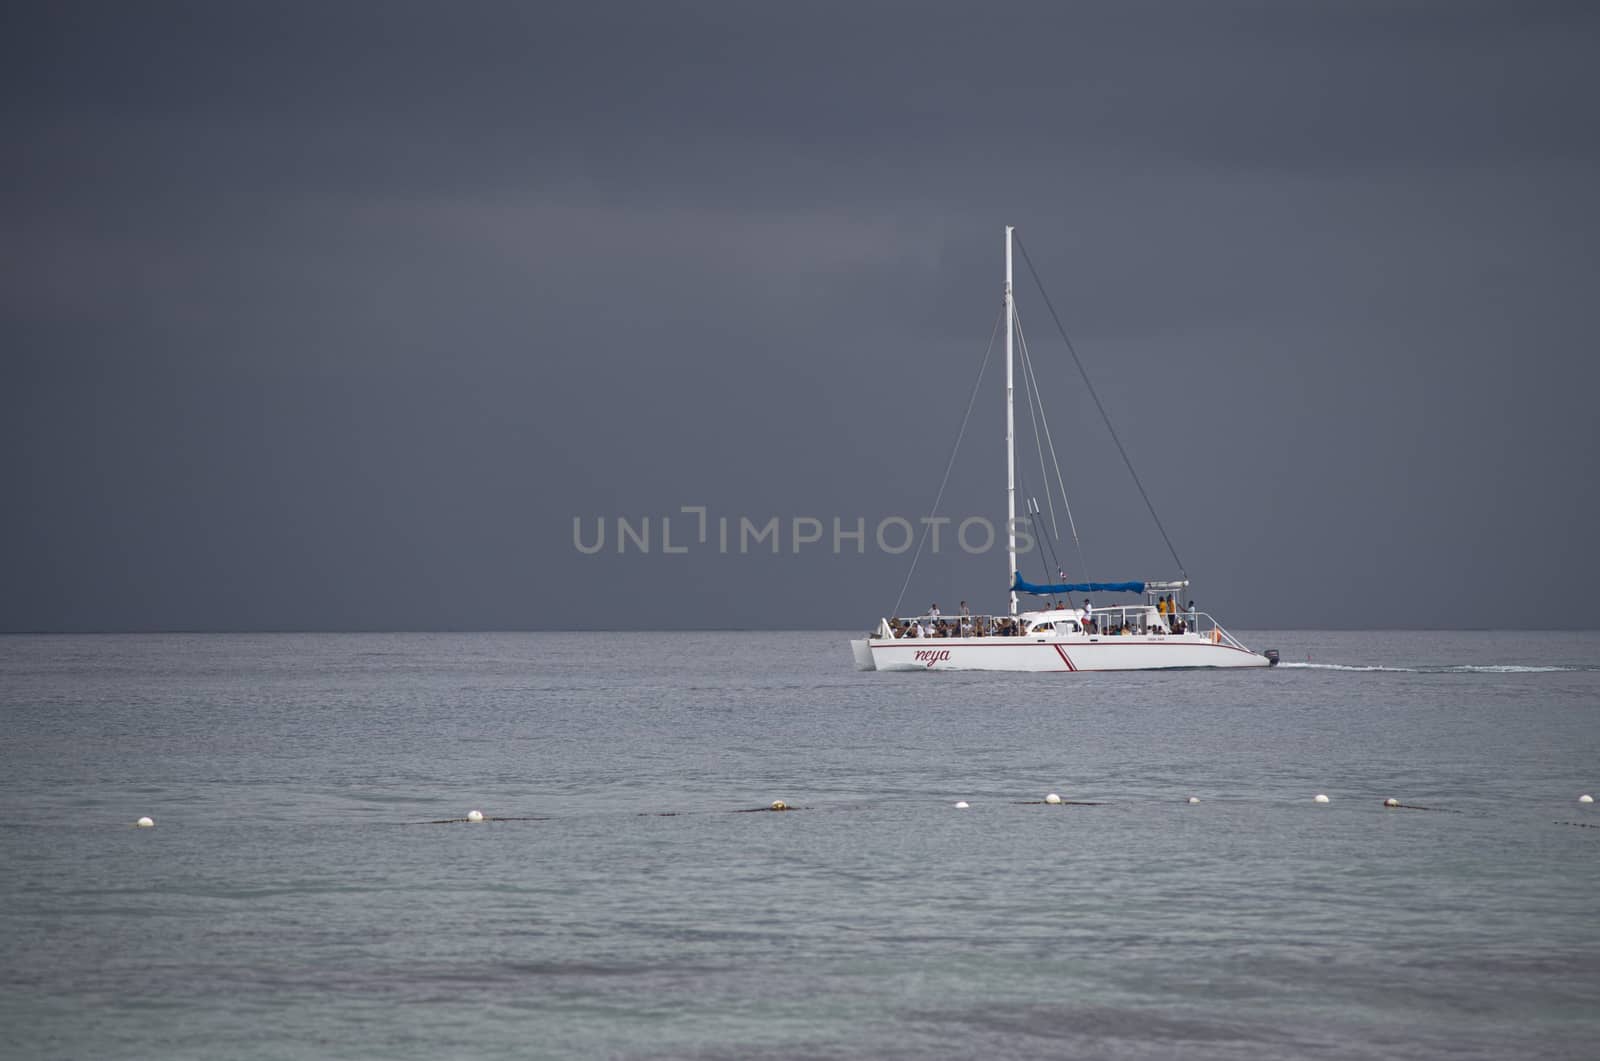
(312, 887)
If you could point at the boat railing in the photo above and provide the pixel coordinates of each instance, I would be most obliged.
(1221, 636)
(954, 626)
(1108, 622)
(1137, 618)
(987, 624)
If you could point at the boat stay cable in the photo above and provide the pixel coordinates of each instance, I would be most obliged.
(1028, 377)
(1035, 399)
(951, 463)
(1034, 513)
(1032, 507)
(1104, 416)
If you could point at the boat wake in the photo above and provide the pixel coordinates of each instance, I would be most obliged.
(1513, 668)
(1464, 668)
(1289, 665)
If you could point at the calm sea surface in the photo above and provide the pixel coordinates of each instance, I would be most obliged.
(293, 900)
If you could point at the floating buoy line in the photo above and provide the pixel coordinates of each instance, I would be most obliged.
(1052, 799)
(471, 820)
(1056, 802)
(1394, 804)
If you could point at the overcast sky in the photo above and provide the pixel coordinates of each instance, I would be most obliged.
(335, 316)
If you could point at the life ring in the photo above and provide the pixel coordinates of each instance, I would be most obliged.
(1216, 636)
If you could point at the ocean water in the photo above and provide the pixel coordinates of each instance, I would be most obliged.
(305, 895)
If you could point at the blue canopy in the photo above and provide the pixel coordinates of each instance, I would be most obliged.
(1075, 587)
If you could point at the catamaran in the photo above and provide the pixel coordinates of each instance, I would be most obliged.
(1156, 633)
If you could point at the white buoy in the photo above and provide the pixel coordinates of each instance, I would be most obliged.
(146, 823)
(1319, 798)
(1391, 802)
(779, 804)
(1052, 798)
(1194, 799)
(1586, 798)
(961, 804)
(474, 815)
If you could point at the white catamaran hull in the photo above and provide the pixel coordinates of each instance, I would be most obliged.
(1058, 654)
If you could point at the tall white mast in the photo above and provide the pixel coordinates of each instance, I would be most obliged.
(1011, 445)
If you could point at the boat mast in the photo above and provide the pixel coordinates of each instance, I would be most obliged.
(1011, 444)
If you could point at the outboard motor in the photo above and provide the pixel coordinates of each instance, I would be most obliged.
(1272, 657)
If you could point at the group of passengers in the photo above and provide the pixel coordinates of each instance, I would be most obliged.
(1172, 620)
(947, 628)
(966, 626)
(935, 625)
(1170, 611)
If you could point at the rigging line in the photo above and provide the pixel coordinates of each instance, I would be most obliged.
(1032, 505)
(1055, 560)
(1038, 443)
(1033, 517)
(1099, 405)
(1027, 368)
(949, 464)
(1033, 395)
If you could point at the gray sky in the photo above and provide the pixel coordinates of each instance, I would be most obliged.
(335, 316)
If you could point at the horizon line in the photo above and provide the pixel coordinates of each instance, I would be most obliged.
(119, 632)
